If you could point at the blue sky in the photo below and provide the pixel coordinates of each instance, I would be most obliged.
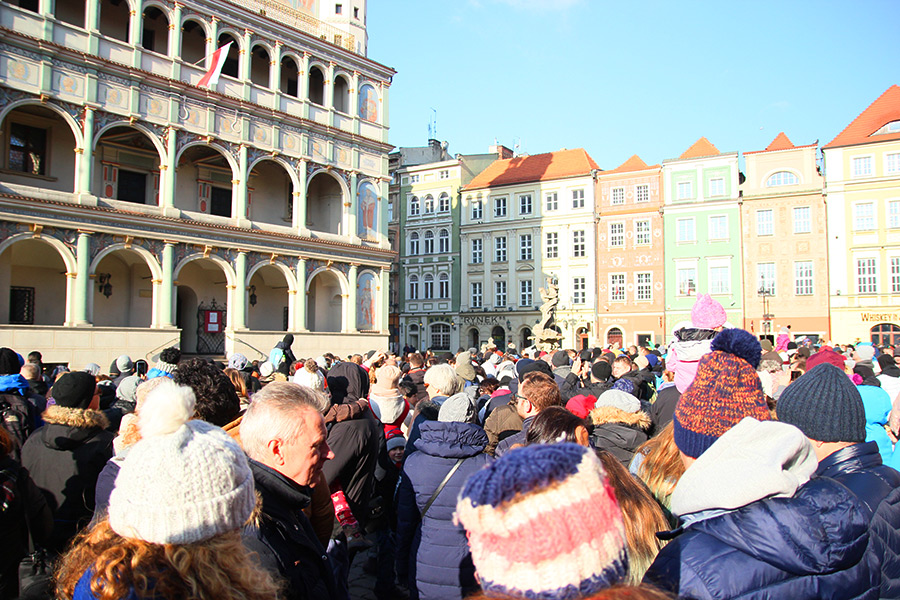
(631, 77)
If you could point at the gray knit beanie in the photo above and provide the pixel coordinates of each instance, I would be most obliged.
(459, 408)
(825, 405)
(186, 481)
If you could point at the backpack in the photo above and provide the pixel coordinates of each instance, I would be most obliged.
(17, 419)
(276, 357)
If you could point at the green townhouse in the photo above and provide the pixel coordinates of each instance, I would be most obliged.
(702, 232)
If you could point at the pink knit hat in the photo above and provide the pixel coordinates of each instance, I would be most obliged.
(707, 313)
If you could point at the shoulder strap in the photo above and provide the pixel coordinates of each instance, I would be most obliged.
(441, 487)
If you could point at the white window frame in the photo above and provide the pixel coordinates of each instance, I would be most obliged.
(778, 179)
(428, 287)
(477, 209)
(526, 295)
(579, 290)
(643, 290)
(894, 264)
(500, 207)
(414, 206)
(443, 286)
(680, 232)
(868, 160)
(500, 248)
(414, 179)
(893, 211)
(861, 221)
(799, 222)
(617, 195)
(551, 201)
(443, 241)
(578, 198)
(477, 249)
(428, 205)
(685, 286)
(717, 287)
(616, 234)
(579, 246)
(413, 287)
(414, 244)
(444, 202)
(643, 236)
(500, 294)
(526, 204)
(866, 282)
(804, 282)
(428, 243)
(444, 174)
(766, 277)
(717, 235)
(617, 291)
(716, 187)
(684, 190)
(551, 244)
(642, 192)
(765, 227)
(892, 163)
(526, 248)
(477, 292)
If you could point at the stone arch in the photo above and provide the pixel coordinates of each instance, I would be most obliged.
(263, 205)
(614, 334)
(326, 308)
(127, 175)
(115, 19)
(260, 57)
(193, 47)
(198, 194)
(196, 285)
(272, 301)
(226, 266)
(153, 43)
(324, 208)
(341, 92)
(134, 310)
(232, 66)
(316, 76)
(289, 74)
(43, 294)
(69, 119)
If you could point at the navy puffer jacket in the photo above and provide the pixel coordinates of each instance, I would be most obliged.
(811, 546)
(440, 565)
(859, 468)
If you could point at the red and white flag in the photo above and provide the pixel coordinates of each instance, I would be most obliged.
(211, 77)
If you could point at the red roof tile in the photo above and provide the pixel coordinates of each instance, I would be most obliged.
(781, 142)
(702, 147)
(536, 167)
(632, 164)
(881, 112)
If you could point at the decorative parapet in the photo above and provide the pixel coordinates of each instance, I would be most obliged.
(300, 21)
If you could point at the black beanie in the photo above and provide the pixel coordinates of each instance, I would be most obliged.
(560, 358)
(601, 370)
(9, 362)
(538, 365)
(74, 390)
(825, 405)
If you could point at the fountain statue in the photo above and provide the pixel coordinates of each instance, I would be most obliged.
(547, 339)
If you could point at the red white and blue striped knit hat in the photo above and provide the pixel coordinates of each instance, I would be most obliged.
(543, 523)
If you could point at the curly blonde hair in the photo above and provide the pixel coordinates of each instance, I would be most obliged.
(216, 569)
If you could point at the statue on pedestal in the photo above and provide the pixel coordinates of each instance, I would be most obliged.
(545, 338)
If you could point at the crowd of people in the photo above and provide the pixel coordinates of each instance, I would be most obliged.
(720, 466)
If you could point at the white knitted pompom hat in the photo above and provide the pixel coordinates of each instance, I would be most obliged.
(186, 481)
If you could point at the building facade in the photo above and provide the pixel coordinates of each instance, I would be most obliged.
(140, 211)
(430, 250)
(785, 239)
(702, 232)
(862, 191)
(525, 221)
(630, 275)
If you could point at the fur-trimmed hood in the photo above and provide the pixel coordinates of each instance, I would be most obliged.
(83, 418)
(602, 415)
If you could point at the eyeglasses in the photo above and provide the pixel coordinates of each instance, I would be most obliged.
(520, 397)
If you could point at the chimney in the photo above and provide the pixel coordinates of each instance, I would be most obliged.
(501, 151)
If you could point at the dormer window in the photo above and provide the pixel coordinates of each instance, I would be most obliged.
(892, 127)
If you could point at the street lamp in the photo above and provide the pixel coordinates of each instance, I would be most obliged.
(764, 292)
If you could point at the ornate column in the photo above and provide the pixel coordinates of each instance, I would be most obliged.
(351, 298)
(175, 31)
(239, 302)
(85, 158)
(82, 279)
(354, 101)
(167, 195)
(384, 300)
(302, 296)
(244, 57)
(167, 287)
(240, 210)
(299, 223)
(212, 41)
(352, 227)
(136, 32)
(275, 72)
(303, 84)
(329, 93)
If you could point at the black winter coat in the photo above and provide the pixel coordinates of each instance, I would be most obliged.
(356, 444)
(573, 387)
(859, 468)
(65, 457)
(440, 566)
(811, 546)
(284, 539)
(618, 432)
